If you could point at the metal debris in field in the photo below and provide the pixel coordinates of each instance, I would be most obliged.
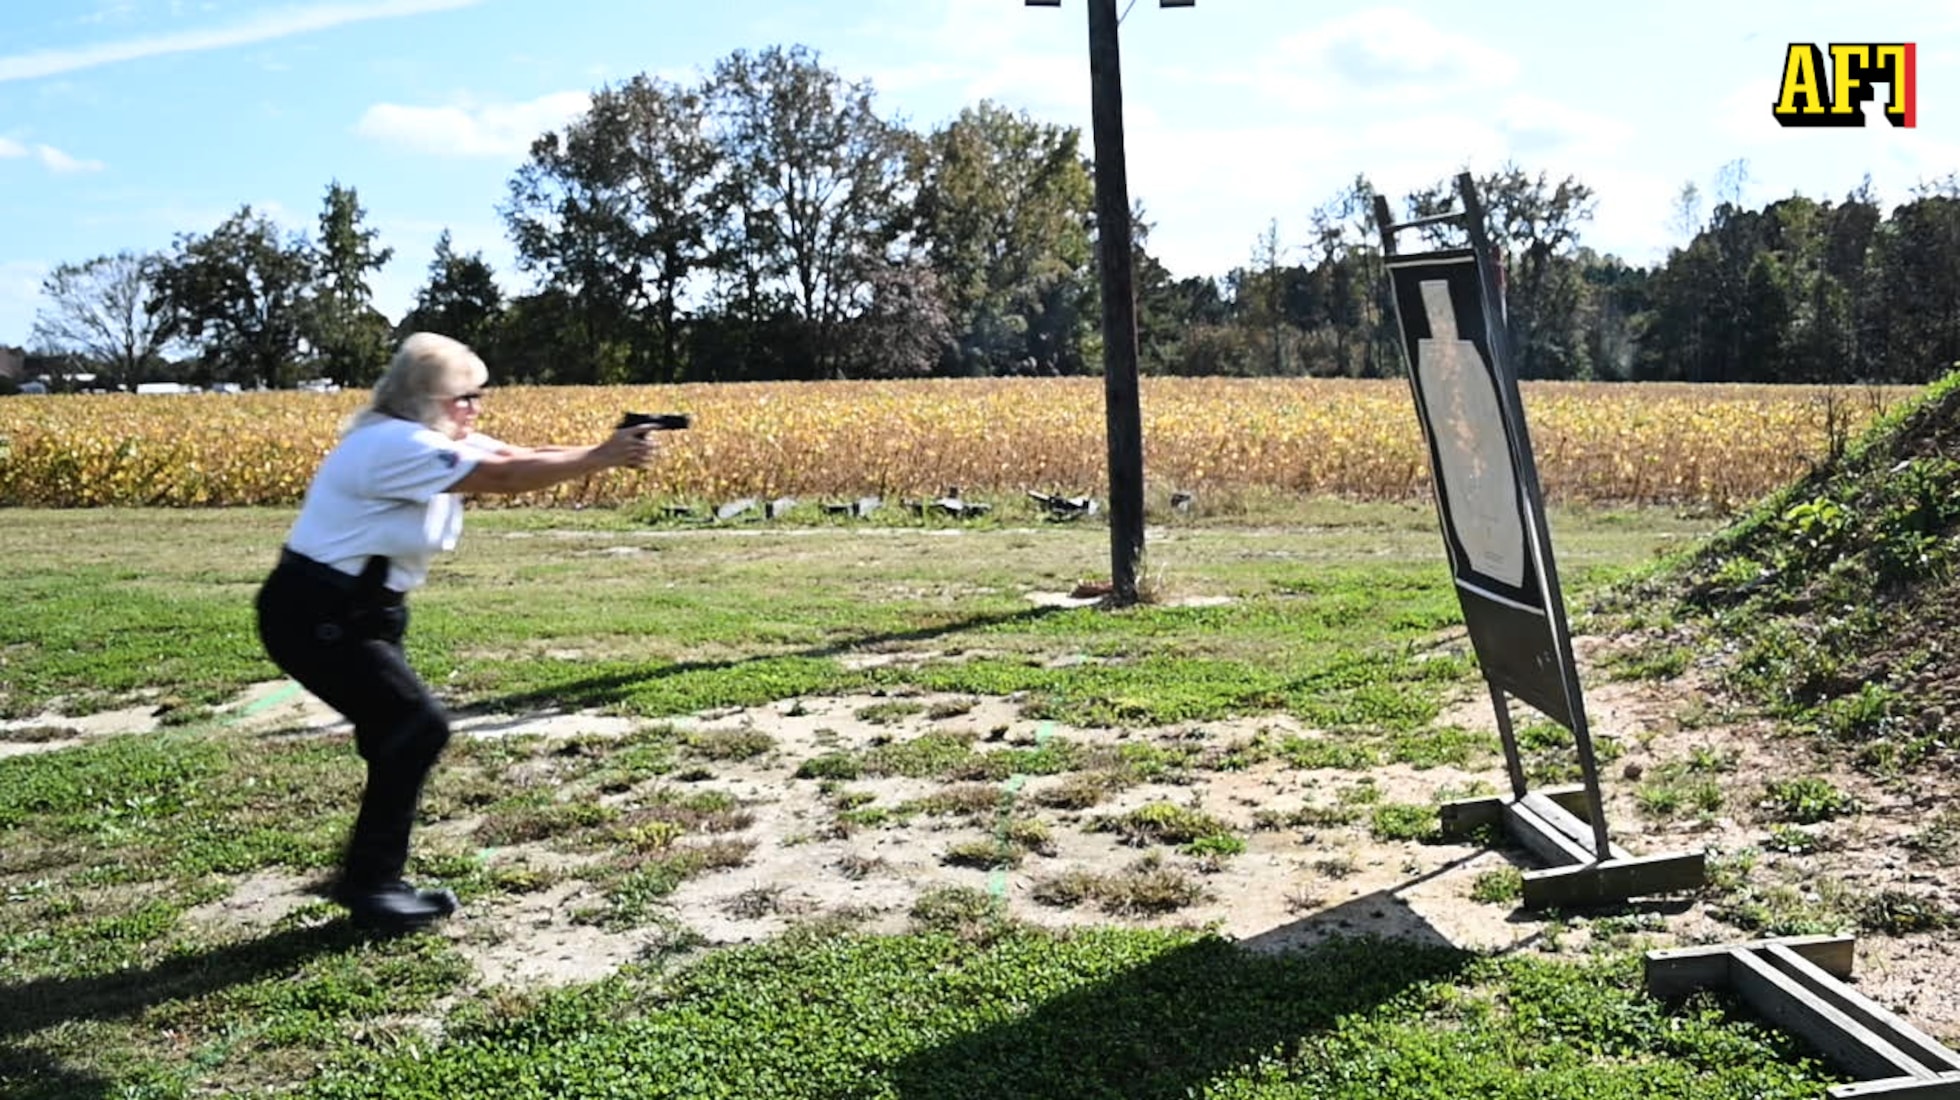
(856, 509)
(735, 508)
(1061, 507)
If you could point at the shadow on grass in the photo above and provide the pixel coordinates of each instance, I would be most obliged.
(33, 1075)
(44, 1003)
(1210, 1009)
(612, 687)
(1168, 1028)
(978, 1009)
(1383, 914)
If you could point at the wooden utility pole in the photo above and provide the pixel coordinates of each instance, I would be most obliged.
(1122, 416)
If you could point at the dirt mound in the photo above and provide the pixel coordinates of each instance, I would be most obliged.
(1834, 604)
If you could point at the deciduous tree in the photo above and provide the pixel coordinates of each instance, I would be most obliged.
(101, 313)
(818, 187)
(461, 300)
(1004, 214)
(240, 293)
(1536, 224)
(617, 213)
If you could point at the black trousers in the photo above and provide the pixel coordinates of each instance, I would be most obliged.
(341, 638)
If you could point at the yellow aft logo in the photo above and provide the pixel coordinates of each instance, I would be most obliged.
(1821, 91)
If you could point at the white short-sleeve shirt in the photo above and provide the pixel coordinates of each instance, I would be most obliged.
(383, 490)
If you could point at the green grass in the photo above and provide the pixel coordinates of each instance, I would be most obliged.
(1680, 788)
(1336, 627)
(1404, 821)
(1500, 887)
(1806, 800)
(1162, 823)
(109, 987)
(1827, 603)
(1100, 1014)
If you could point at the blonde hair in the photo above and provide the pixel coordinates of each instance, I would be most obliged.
(427, 369)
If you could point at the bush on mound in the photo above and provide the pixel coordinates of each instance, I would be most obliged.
(1836, 602)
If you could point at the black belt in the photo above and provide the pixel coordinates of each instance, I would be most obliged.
(368, 587)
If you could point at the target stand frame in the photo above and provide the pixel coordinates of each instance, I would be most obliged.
(1797, 983)
(1450, 314)
(1555, 825)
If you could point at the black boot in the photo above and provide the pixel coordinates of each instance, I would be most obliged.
(394, 906)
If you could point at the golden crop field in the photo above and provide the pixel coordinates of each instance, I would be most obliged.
(1700, 445)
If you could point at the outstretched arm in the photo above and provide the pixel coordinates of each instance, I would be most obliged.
(515, 451)
(522, 469)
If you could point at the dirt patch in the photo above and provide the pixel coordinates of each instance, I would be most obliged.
(1895, 846)
(531, 941)
(1310, 868)
(256, 903)
(52, 730)
(1293, 886)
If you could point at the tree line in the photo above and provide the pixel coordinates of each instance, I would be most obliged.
(768, 222)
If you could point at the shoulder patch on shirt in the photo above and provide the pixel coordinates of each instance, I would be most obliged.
(448, 458)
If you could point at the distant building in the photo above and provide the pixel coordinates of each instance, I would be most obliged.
(13, 363)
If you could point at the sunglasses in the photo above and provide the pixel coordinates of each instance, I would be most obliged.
(474, 397)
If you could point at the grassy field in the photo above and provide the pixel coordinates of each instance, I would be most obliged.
(1332, 614)
(115, 850)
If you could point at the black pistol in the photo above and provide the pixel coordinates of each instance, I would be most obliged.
(659, 422)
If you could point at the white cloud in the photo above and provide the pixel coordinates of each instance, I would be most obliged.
(1050, 84)
(1384, 54)
(58, 161)
(113, 13)
(1211, 190)
(279, 214)
(471, 130)
(973, 51)
(1631, 213)
(1212, 186)
(50, 157)
(1743, 115)
(1216, 152)
(1540, 130)
(1832, 160)
(259, 28)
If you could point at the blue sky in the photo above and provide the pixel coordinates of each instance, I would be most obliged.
(126, 122)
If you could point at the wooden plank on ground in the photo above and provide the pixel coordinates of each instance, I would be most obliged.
(1542, 838)
(1880, 1020)
(1465, 816)
(1614, 880)
(1677, 972)
(1944, 1087)
(1845, 1042)
(1555, 814)
(1573, 799)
